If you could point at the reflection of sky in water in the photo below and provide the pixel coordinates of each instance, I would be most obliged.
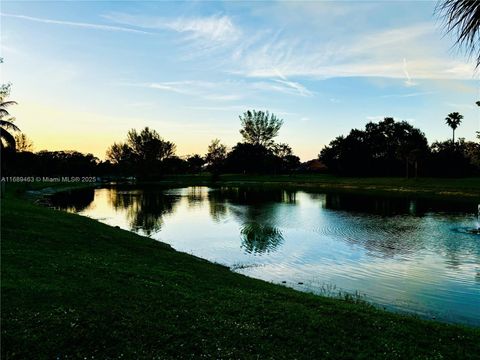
(406, 255)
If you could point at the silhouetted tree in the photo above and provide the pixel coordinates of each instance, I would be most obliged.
(66, 163)
(259, 127)
(453, 120)
(288, 161)
(471, 151)
(216, 156)
(249, 158)
(148, 146)
(121, 156)
(195, 163)
(119, 153)
(142, 154)
(174, 165)
(380, 149)
(23, 143)
(448, 161)
(7, 140)
(282, 150)
(463, 18)
(478, 132)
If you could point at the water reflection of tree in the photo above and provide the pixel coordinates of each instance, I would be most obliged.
(74, 201)
(196, 195)
(385, 206)
(393, 205)
(145, 208)
(255, 208)
(258, 238)
(252, 195)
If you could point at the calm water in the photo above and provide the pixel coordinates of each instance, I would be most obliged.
(406, 255)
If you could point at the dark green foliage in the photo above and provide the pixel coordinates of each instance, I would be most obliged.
(174, 165)
(148, 146)
(195, 163)
(52, 163)
(144, 154)
(75, 288)
(288, 161)
(383, 149)
(247, 158)
(463, 159)
(216, 155)
(260, 127)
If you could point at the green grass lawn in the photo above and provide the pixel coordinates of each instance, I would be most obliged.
(75, 288)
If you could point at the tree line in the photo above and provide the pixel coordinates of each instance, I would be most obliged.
(390, 148)
(386, 148)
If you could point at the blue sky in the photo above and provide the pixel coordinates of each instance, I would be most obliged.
(84, 73)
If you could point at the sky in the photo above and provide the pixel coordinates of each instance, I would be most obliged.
(86, 72)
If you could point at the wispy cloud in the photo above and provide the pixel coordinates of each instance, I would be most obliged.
(75, 24)
(374, 54)
(208, 90)
(225, 90)
(461, 106)
(302, 90)
(216, 28)
(213, 28)
(408, 81)
(409, 95)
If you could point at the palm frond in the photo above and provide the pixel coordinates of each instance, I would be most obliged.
(6, 137)
(9, 125)
(7, 103)
(463, 18)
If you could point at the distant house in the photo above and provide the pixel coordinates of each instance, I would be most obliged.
(313, 166)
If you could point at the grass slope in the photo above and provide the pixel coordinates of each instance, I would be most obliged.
(75, 288)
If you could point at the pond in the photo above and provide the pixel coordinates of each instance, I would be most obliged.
(404, 254)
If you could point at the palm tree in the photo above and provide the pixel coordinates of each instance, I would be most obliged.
(463, 18)
(7, 140)
(453, 120)
(478, 132)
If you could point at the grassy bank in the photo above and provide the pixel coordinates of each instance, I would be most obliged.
(75, 288)
(466, 188)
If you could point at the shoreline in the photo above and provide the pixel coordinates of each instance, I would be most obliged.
(467, 189)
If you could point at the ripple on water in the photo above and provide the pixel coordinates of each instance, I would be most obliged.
(474, 231)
